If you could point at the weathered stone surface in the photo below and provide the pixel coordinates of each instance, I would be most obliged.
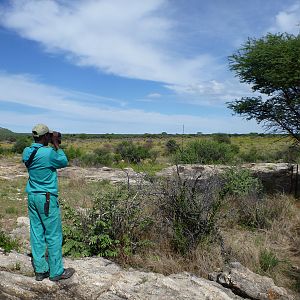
(98, 278)
(23, 221)
(103, 173)
(274, 176)
(22, 233)
(248, 284)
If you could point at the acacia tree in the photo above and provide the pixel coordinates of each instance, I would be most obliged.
(271, 65)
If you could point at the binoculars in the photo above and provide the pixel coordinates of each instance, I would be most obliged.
(57, 135)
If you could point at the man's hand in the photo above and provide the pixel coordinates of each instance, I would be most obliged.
(56, 139)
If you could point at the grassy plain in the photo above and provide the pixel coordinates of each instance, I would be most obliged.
(250, 148)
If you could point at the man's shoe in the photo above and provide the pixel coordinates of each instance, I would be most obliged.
(41, 276)
(67, 273)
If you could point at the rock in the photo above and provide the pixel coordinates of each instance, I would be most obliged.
(99, 174)
(23, 221)
(106, 169)
(274, 176)
(16, 262)
(98, 278)
(248, 284)
(22, 233)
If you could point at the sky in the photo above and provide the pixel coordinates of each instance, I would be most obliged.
(129, 66)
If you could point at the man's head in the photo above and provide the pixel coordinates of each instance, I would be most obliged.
(41, 134)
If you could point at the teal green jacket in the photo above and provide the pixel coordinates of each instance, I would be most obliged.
(42, 171)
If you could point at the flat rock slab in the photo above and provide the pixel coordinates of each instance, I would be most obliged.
(98, 278)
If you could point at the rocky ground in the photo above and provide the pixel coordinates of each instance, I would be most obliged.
(278, 175)
(98, 278)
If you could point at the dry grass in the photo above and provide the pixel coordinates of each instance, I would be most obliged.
(273, 252)
(78, 192)
(280, 241)
(161, 259)
(13, 202)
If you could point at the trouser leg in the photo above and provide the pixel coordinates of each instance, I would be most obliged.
(37, 235)
(53, 236)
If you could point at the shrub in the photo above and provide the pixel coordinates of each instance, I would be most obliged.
(171, 146)
(8, 243)
(103, 156)
(20, 144)
(222, 138)
(252, 155)
(289, 154)
(99, 157)
(114, 226)
(132, 153)
(75, 240)
(207, 152)
(250, 206)
(190, 209)
(267, 260)
(240, 182)
(73, 153)
(11, 210)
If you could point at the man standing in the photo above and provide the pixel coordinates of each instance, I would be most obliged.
(43, 207)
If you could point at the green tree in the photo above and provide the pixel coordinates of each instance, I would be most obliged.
(271, 65)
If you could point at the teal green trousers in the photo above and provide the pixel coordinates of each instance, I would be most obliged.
(45, 232)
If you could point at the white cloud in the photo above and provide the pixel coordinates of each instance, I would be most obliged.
(125, 38)
(154, 95)
(62, 111)
(212, 92)
(288, 20)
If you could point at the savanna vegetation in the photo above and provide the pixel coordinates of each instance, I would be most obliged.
(172, 225)
(177, 224)
(152, 152)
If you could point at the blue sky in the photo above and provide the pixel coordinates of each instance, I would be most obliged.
(129, 66)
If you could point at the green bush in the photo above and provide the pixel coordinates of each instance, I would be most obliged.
(252, 155)
(171, 146)
(20, 144)
(190, 209)
(207, 152)
(8, 243)
(250, 207)
(267, 260)
(99, 157)
(5, 151)
(132, 153)
(289, 154)
(114, 226)
(73, 153)
(240, 182)
(11, 210)
(103, 156)
(221, 138)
